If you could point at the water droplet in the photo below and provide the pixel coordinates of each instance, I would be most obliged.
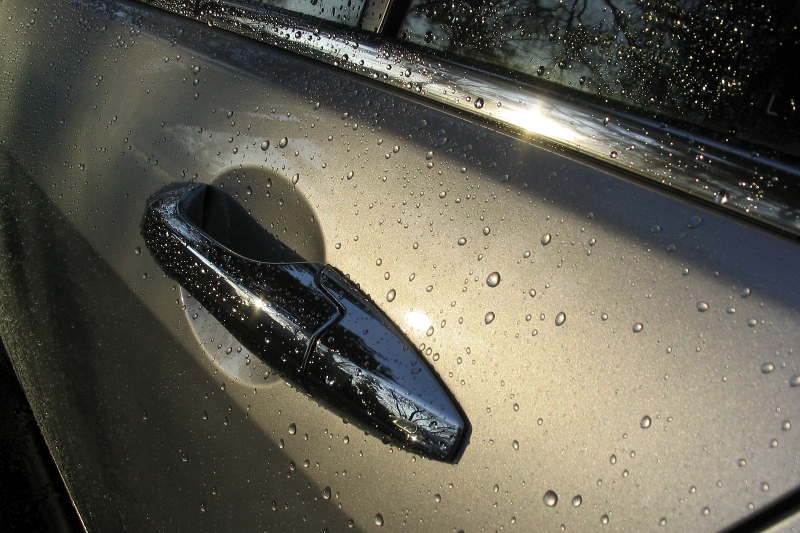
(766, 368)
(283, 142)
(391, 295)
(326, 493)
(493, 280)
(613, 459)
(144, 415)
(694, 222)
(721, 197)
(546, 239)
(489, 318)
(702, 306)
(462, 241)
(577, 501)
(752, 322)
(604, 519)
(379, 519)
(550, 498)
(437, 497)
(705, 511)
(515, 444)
(638, 327)
(249, 190)
(185, 457)
(745, 293)
(486, 230)
(604, 316)
(478, 103)
(532, 293)
(204, 415)
(646, 421)
(765, 487)
(613, 155)
(561, 318)
(795, 381)
(295, 179)
(196, 69)
(516, 407)
(350, 175)
(663, 521)
(786, 426)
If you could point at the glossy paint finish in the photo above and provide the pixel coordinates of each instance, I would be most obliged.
(626, 357)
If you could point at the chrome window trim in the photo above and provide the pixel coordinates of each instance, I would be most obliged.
(739, 181)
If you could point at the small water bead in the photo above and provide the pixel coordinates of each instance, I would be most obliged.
(645, 422)
(613, 459)
(546, 238)
(437, 498)
(478, 103)
(752, 322)
(663, 521)
(638, 327)
(742, 462)
(292, 428)
(561, 318)
(604, 519)
(705, 511)
(493, 280)
(577, 501)
(379, 519)
(489, 318)
(265, 145)
(283, 142)
(766, 368)
(487, 230)
(326, 493)
(765, 486)
(702, 307)
(390, 296)
(515, 445)
(603, 316)
(745, 293)
(550, 498)
(795, 381)
(786, 426)
(462, 241)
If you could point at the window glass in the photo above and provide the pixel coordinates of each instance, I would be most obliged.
(341, 11)
(730, 66)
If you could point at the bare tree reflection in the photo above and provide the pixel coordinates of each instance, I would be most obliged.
(688, 57)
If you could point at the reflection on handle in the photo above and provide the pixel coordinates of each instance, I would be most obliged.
(313, 326)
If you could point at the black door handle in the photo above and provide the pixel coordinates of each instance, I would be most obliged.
(307, 321)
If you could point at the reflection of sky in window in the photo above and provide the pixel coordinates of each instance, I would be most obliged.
(341, 11)
(599, 54)
(531, 55)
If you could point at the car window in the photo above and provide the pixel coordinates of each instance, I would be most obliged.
(721, 65)
(342, 11)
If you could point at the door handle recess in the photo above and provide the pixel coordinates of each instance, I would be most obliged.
(310, 324)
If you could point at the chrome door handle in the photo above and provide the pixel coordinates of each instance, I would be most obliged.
(311, 324)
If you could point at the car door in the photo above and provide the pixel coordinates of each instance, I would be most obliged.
(624, 355)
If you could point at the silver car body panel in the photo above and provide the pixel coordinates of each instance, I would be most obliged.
(636, 360)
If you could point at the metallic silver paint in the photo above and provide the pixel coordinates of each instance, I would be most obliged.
(120, 384)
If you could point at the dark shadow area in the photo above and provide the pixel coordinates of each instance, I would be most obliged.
(33, 498)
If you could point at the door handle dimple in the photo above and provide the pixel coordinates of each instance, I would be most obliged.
(310, 324)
